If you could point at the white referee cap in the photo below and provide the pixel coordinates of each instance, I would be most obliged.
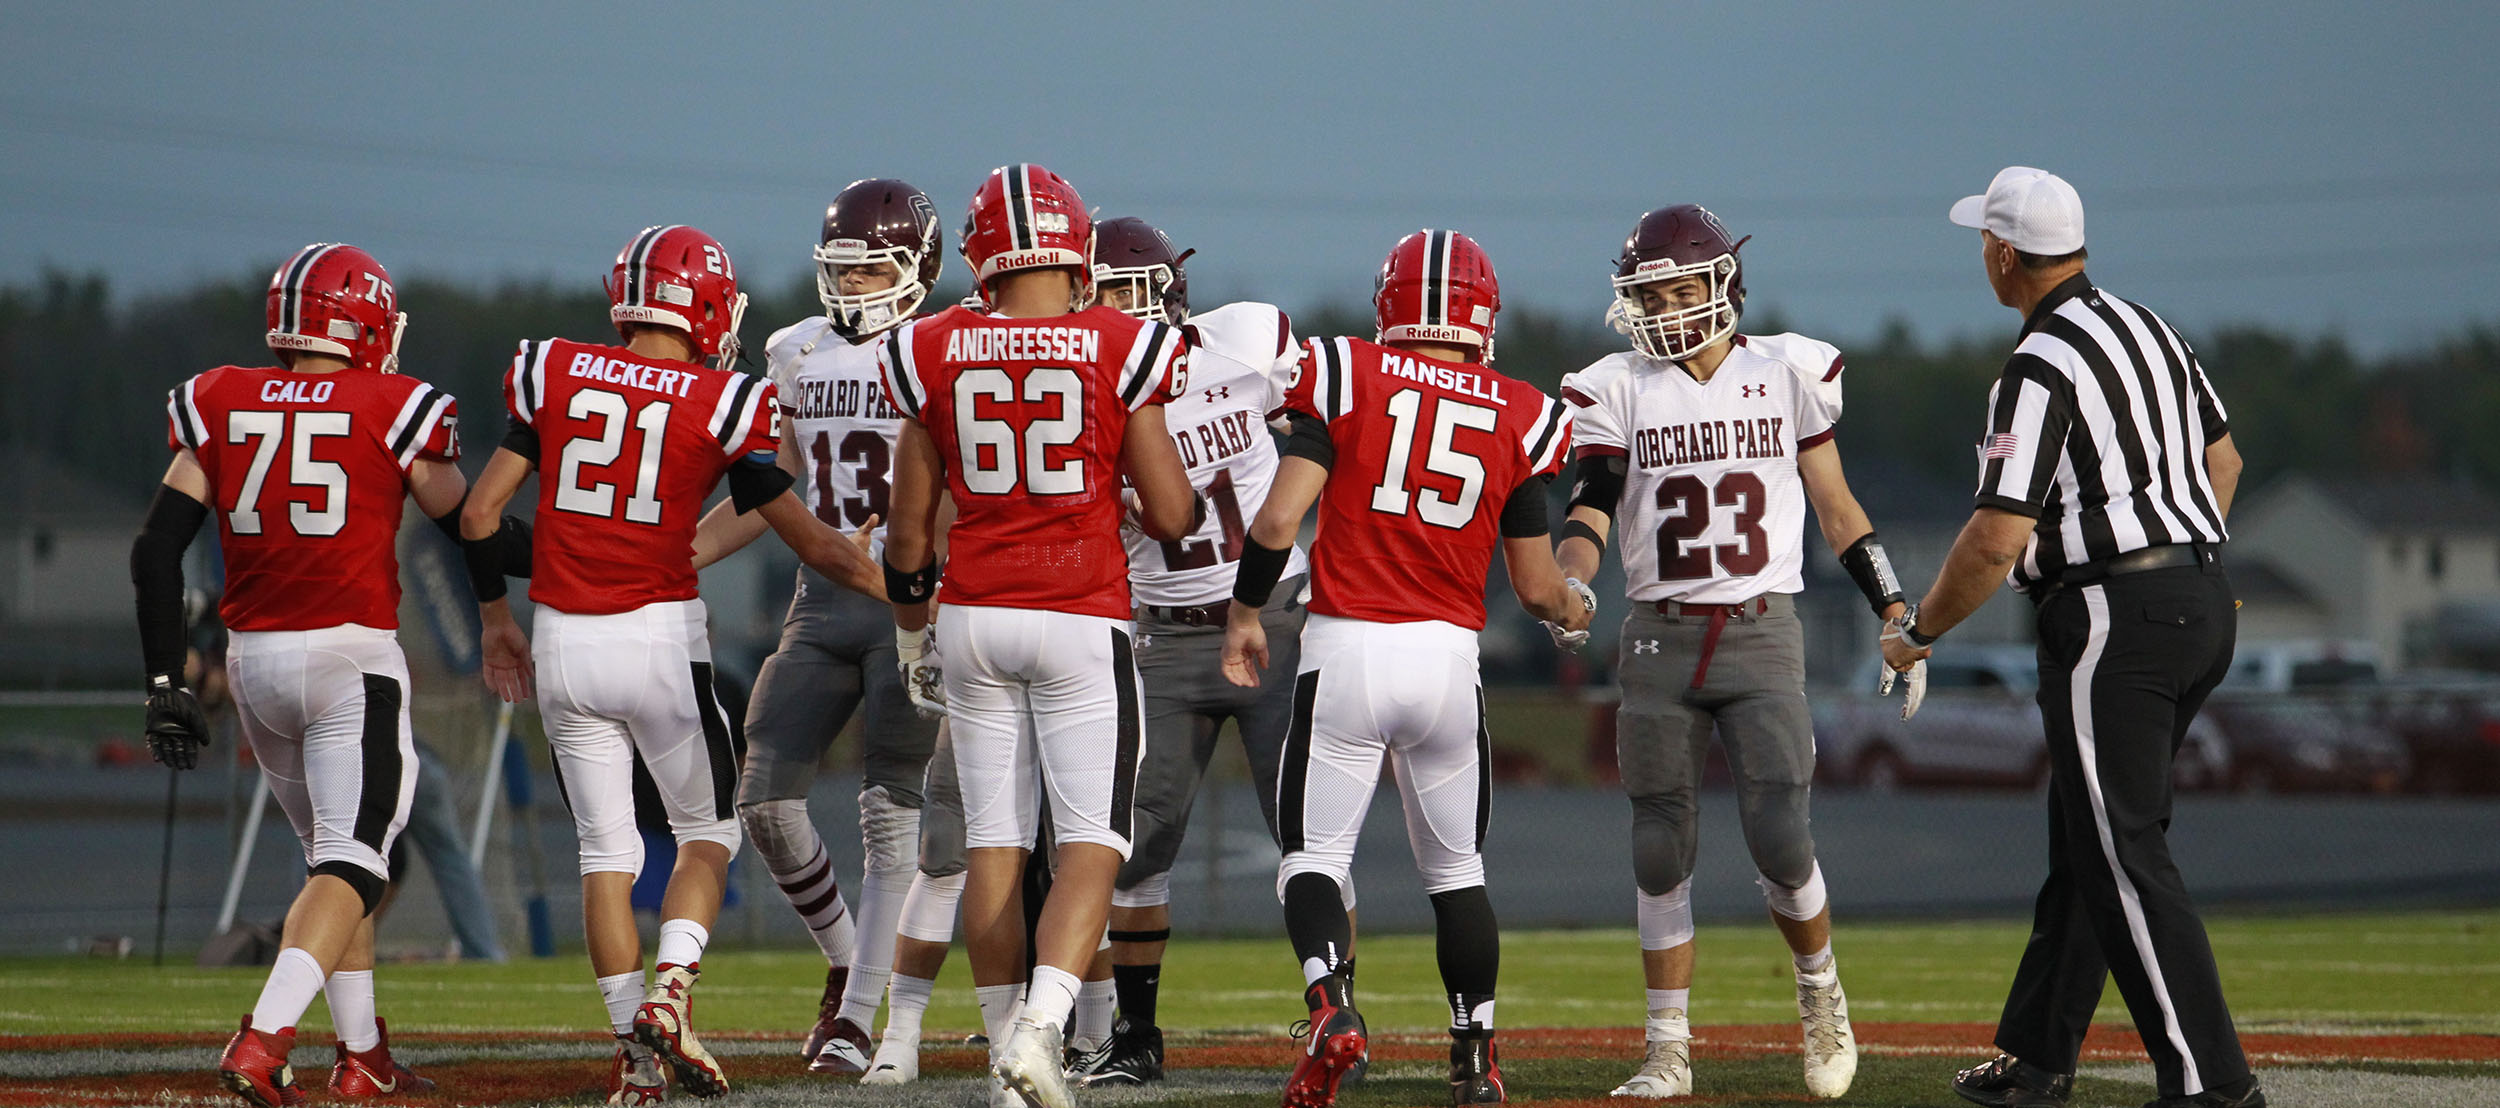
(2034, 209)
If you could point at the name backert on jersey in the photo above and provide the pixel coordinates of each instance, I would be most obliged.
(1440, 377)
(617, 371)
(1217, 439)
(834, 398)
(1709, 441)
(1071, 345)
(274, 391)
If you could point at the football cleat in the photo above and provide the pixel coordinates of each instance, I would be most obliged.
(1079, 1063)
(1475, 1075)
(836, 979)
(254, 1067)
(374, 1073)
(2009, 1082)
(665, 1023)
(1132, 1057)
(1031, 1066)
(897, 1062)
(1337, 1041)
(1666, 1071)
(846, 1052)
(636, 1077)
(1831, 1048)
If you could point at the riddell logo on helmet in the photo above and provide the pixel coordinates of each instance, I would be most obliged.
(1025, 259)
(1426, 332)
(1656, 264)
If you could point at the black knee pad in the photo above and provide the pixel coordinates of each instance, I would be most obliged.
(368, 884)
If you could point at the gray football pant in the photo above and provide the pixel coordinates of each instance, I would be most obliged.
(836, 658)
(1753, 695)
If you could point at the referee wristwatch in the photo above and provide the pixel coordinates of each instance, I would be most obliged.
(1909, 629)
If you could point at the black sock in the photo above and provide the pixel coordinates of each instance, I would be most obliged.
(1469, 945)
(1315, 920)
(1136, 986)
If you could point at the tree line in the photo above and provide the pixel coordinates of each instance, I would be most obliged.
(86, 373)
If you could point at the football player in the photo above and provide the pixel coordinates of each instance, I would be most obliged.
(1028, 415)
(1422, 459)
(1707, 445)
(305, 465)
(1240, 357)
(876, 260)
(631, 439)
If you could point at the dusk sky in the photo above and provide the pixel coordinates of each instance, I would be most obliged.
(2314, 166)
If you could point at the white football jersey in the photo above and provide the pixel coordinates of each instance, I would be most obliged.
(840, 425)
(1713, 511)
(1241, 359)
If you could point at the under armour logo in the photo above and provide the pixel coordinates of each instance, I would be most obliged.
(1219, 392)
(1644, 646)
(1757, 390)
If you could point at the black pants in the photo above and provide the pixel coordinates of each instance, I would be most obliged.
(2124, 666)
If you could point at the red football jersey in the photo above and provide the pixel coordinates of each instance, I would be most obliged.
(1427, 453)
(306, 472)
(1028, 416)
(629, 448)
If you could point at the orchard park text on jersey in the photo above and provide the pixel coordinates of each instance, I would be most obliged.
(1217, 439)
(1057, 345)
(1715, 440)
(837, 398)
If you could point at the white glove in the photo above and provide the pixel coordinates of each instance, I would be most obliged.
(1573, 640)
(1914, 689)
(924, 676)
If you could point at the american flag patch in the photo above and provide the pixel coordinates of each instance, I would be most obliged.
(2000, 445)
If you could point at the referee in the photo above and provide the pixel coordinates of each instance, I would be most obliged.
(2106, 471)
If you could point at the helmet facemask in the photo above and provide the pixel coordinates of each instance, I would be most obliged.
(1152, 282)
(1680, 333)
(870, 312)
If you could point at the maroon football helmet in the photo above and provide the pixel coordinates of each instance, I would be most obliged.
(1679, 241)
(878, 220)
(1438, 286)
(1131, 249)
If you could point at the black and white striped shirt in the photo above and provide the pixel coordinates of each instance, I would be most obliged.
(2098, 429)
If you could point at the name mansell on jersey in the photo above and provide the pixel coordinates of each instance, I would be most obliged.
(843, 428)
(1713, 511)
(306, 474)
(1240, 356)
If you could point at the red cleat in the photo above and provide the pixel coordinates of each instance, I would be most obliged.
(1336, 1044)
(665, 1023)
(254, 1067)
(373, 1073)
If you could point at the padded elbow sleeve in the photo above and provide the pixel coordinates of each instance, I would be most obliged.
(1524, 514)
(1601, 483)
(1310, 440)
(754, 482)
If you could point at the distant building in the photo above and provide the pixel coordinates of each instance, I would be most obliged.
(2410, 564)
(65, 599)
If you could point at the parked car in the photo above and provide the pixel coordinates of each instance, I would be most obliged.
(2450, 725)
(2287, 665)
(2313, 743)
(1979, 726)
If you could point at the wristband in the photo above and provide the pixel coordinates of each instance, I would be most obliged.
(486, 565)
(1871, 568)
(1255, 575)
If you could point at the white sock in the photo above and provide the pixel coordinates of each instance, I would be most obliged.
(1816, 962)
(350, 993)
(909, 1002)
(1093, 1014)
(1052, 998)
(1661, 1026)
(681, 942)
(623, 992)
(1312, 970)
(880, 914)
(998, 1010)
(293, 982)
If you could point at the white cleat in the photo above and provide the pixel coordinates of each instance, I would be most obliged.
(1831, 1048)
(1666, 1072)
(897, 1062)
(1030, 1066)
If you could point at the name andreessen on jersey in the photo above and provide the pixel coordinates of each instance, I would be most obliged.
(1709, 441)
(618, 371)
(1072, 345)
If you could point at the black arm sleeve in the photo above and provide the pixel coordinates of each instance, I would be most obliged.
(522, 439)
(1524, 514)
(754, 482)
(1601, 483)
(156, 572)
(1255, 575)
(1310, 440)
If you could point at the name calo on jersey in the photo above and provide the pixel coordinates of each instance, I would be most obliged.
(1428, 452)
(306, 473)
(1713, 511)
(1240, 358)
(842, 427)
(1028, 416)
(629, 448)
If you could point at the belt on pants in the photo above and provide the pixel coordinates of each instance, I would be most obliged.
(2169, 556)
(1718, 615)
(1200, 615)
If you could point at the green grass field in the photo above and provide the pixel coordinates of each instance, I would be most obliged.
(2433, 978)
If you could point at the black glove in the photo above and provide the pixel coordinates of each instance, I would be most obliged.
(177, 728)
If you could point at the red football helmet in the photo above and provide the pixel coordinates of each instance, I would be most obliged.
(332, 298)
(878, 220)
(1131, 249)
(1437, 286)
(676, 276)
(1027, 217)
(1680, 241)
